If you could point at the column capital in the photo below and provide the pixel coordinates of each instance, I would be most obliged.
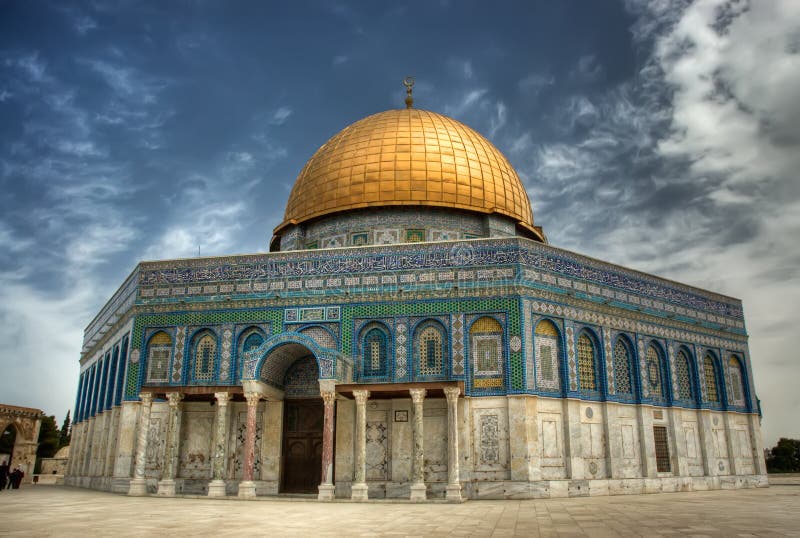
(252, 398)
(222, 398)
(146, 397)
(174, 398)
(328, 397)
(417, 395)
(452, 393)
(361, 396)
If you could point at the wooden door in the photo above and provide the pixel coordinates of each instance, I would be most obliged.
(302, 446)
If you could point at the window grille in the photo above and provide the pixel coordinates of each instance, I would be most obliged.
(586, 363)
(622, 368)
(662, 449)
(710, 373)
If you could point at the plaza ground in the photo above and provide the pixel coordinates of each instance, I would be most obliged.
(63, 511)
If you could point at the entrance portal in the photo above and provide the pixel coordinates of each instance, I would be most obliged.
(302, 428)
(302, 445)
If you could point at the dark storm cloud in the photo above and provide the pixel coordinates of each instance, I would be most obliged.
(662, 135)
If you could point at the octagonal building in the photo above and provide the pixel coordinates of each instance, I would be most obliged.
(411, 334)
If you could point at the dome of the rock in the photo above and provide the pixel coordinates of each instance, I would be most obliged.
(409, 157)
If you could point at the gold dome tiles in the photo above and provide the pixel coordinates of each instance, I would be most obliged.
(407, 157)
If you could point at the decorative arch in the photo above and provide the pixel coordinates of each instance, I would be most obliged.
(159, 354)
(375, 343)
(736, 379)
(656, 374)
(623, 363)
(588, 359)
(547, 346)
(684, 371)
(430, 349)
(711, 378)
(330, 363)
(204, 353)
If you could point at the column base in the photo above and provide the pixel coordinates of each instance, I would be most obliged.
(453, 493)
(359, 492)
(326, 492)
(419, 493)
(166, 488)
(247, 489)
(138, 487)
(216, 488)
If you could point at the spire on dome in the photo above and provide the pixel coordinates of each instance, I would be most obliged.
(408, 82)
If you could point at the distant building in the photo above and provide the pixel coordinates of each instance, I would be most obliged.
(412, 334)
(24, 424)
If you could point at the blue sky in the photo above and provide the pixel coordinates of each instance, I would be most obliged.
(664, 136)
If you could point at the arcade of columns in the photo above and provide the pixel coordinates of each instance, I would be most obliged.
(247, 487)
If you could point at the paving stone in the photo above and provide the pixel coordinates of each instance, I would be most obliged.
(64, 511)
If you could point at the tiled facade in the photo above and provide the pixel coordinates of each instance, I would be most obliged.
(452, 356)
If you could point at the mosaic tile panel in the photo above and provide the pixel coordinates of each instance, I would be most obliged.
(302, 379)
(548, 356)
(572, 363)
(226, 354)
(321, 336)
(457, 327)
(177, 361)
(401, 349)
(609, 361)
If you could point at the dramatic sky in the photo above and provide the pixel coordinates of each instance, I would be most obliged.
(663, 136)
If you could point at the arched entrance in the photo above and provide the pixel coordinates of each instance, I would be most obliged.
(293, 369)
(19, 428)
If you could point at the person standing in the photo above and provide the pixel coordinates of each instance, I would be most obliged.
(16, 477)
(3, 475)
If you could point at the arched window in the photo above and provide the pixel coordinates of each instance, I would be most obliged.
(587, 369)
(205, 356)
(736, 381)
(684, 374)
(622, 368)
(429, 349)
(486, 341)
(159, 351)
(252, 341)
(710, 375)
(548, 355)
(375, 351)
(655, 372)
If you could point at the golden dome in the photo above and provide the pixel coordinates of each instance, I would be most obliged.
(408, 157)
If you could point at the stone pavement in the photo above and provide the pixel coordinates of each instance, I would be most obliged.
(63, 511)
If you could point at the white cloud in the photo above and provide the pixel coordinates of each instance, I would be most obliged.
(281, 115)
(340, 59)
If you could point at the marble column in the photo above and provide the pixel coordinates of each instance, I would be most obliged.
(327, 489)
(418, 488)
(138, 485)
(166, 486)
(453, 481)
(359, 487)
(216, 488)
(247, 487)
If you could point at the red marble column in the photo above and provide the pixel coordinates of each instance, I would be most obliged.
(326, 489)
(247, 487)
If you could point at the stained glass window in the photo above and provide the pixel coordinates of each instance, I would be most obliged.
(710, 374)
(548, 353)
(684, 376)
(158, 355)
(586, 363)
(622, 368)
(376, 352)
(486, 340)
(430, 350)
(737, 386)
(205, 355)
(654, 378)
